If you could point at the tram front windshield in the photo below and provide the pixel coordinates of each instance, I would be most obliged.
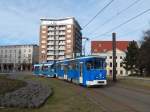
(44, 67)
(36, 68)
(95, 64)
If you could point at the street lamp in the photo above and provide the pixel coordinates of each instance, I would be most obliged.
(86, 39)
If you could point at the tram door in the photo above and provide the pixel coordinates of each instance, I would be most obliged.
(65, 71)
(81, 72)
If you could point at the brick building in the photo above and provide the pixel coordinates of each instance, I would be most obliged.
(59, 39)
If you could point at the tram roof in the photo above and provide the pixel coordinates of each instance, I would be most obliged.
(83, 58)
(40, 64)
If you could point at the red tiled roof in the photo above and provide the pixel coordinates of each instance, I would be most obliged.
(104, 46)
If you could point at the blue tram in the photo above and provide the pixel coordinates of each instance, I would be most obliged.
(37, 69)
(48, 70)
(44, 69)
(87, 71)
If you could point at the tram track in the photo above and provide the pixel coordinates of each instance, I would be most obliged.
(112, 104)
(118, 98)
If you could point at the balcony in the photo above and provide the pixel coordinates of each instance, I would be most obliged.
(50, 58)
(50, 38)
(62, 33)
(50, 53)
(61, 48)
(61, 53)
(51, 28)
(61, 38)
(62, 43)
(57, 33)
(62, 28)
(50, 43)
(61, 58)
(51, 33)
(50, 48)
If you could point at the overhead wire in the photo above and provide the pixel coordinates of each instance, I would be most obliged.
(120, 25)
(113, 17)
(99, 12)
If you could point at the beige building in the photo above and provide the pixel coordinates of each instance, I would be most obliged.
(59, 39)
(18, 57)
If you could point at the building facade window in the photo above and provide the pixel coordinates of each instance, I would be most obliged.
(43, 42)
(43, 46)
(121, 72)
(121, 64)
(43, 36)
(43, 31)
(68, 36)
(99, 45)
(69, 31)
(110, 64)
(68, 41)
(110, 72)
(44, 26)
(68, 26)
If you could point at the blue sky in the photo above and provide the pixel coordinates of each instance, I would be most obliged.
(20, 19)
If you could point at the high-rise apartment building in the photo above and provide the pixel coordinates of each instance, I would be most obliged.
(59, 39)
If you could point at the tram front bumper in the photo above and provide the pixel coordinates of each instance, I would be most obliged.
(96, 82)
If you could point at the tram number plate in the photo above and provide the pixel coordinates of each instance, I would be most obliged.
(100, 81)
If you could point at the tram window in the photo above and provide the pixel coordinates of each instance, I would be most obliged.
(58, 66)
(98, 64)
(52, 67)
(44, 67)
(72, 66)
(62, 67)
(95, 64)
(104, 64)
(77, 67)
(88, 66)
(37, 68)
